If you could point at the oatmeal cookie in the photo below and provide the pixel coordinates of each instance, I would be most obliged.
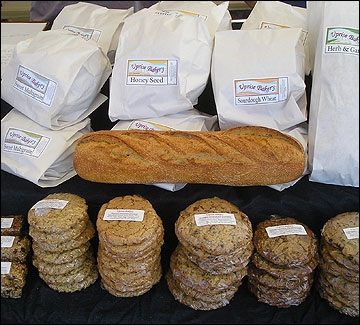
(59, 220)
(286, 250)
(125, 232)
(219, 239)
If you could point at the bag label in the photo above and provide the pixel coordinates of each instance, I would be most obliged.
(50, 204)
(124, 215)
(148, 126)
(35, 85)
(6, 223)
(351, 233)
(152, 72)
(25, 142)
(342, 40)
(261, 91)
(7, 241)
(285, 230)
(209, 219)
(265, 25)
(186, 13)
(85, 33)
(5, 267)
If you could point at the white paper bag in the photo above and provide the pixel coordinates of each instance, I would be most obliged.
(94, 22)
(191, 120)
(276, 14)
(55, 77)
(162, 65)
(42, 156)
(334, 106)
(216, 17)
(258, 78)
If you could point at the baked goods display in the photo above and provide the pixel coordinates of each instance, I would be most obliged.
(215, 245)
(61, 231)
(15, 249)
(240, 156)
(338, 280)
(130, 238)
(282, 267)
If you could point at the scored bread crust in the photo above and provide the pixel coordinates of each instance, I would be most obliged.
(242, 156)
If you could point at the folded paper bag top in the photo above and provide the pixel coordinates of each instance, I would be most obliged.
(242, 156)
(55, 77)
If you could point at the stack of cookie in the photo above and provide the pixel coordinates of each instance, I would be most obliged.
(130, 239)
(338, 280)
(15, 248)
(215, 245)
(282, 267)
(61, 233)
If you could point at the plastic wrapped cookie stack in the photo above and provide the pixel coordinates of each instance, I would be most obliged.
(338, 280)
(215, 245)
(282, 267)
(130, 238)
(61, 233)
(15, 248)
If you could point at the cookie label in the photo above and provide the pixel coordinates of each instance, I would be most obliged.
(7, 241)
(209, 219)
(285, 230)
(52, 204)
(352, 233)
(124, 215)
(5, 267)
(6, 223)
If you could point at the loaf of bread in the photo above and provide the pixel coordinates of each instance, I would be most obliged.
(242, 156)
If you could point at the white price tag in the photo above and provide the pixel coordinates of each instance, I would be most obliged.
(285, 230)
(6, 223)
(124, 215)
(352, 233)
(52, 204)
(5, 267)
(209, 219)
(7, 241)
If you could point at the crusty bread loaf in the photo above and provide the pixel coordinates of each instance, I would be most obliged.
(240, 156)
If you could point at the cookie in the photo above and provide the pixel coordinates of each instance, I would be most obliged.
(269, 280)
(225, 296)
(15, 248)
(189, 301)
(70, 244)
(128, 231)
(189, 273)
(58, 269)
(77, 275)
(218, 267)
(334, 232)
(281, 271)
(284, 300)
(12, 225)
(339, 285)
(59, 257)
(239, 253)
(16, 276)
(125, 294)
(215, 239)
(11, 292)
(334, 302)
(329, 265)
(132, 282)
(58, 220)
(135, 250)
(337, 255)
(128, 265)
(283, 247)
(78, 285)
(58, 237)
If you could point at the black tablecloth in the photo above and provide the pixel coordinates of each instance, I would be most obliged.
(308, 202)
